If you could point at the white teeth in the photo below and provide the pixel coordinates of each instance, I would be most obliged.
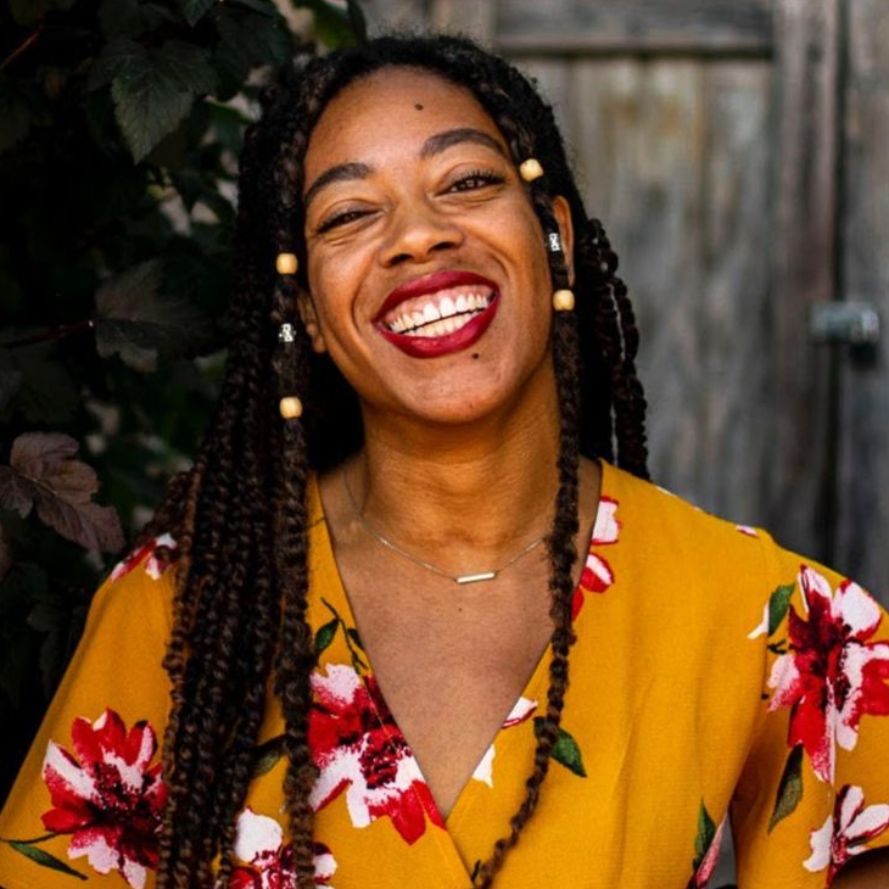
(440, 317)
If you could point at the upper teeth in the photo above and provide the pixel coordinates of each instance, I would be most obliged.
(439, 307)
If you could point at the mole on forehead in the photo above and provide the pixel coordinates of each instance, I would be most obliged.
(418, 106)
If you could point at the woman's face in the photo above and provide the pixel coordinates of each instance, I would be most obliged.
(427, 266)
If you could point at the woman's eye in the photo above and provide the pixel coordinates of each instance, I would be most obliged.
(340, 219)
(477, 179)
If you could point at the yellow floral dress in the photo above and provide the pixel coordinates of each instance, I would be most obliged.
(714, 676)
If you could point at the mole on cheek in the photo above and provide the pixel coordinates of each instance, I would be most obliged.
(418, 106)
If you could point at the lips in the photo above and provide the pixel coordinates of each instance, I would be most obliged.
(439, 313)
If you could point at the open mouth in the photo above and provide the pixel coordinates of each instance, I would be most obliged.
(441, 313)
(438, 313)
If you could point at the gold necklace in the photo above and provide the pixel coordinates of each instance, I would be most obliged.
(457, 578)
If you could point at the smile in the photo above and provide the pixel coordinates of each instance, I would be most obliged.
(439, 313)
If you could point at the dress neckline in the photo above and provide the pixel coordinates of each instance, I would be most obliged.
(533, 691)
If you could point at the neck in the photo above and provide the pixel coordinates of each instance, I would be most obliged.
(486, 489)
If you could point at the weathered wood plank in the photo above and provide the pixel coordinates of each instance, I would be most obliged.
(800, 474)
(863, 490)
(572, 27)
(640, 138)
(675, 158)
(736, 278)
(475, 19)
(388, 15)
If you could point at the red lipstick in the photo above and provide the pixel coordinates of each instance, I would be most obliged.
(434, 346)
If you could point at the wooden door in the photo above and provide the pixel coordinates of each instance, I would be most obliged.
(735, 151)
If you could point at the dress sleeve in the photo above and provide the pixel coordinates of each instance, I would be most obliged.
(814, 792)
(86, 804)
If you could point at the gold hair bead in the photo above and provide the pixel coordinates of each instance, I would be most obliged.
(286, 263)
(563, 300)
(530, 169)
(291, 407)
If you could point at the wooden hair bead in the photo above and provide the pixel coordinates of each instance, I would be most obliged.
(286, 263)
(563, 300)
(530, 169)
(291, 407)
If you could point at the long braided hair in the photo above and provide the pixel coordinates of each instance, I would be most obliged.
(239, 515)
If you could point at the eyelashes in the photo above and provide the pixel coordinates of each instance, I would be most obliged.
(476, 179)
(466, 182)
(340, 219)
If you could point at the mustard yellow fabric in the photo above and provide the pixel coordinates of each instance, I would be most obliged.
(713, 671)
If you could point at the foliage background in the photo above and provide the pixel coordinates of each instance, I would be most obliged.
(120, 127)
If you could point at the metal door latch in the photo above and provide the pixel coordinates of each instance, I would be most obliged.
(848, 322)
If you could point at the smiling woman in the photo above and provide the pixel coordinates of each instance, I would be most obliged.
(416, 598)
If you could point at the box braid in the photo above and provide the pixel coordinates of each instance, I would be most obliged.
(239, 515)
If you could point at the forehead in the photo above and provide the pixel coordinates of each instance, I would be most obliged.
(391, 110)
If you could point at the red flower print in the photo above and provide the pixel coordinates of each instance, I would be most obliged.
(831, 676)
(109, 797)
(845, 831)
(259, 841)
(520, 712)
(155, 565)
(597, 575)
(359, 750)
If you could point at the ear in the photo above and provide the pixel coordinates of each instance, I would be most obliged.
(562, 212)
(309, 316)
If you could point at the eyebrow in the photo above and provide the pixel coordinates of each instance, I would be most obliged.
(441, 141)
(433, 145)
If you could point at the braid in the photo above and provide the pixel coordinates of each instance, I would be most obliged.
(240, 514)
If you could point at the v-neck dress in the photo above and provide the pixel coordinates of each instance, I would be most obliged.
(715, 676)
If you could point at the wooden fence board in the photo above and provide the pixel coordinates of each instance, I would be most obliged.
(800, 474)
(640, 137)
(636, 26)
(863, 490)
(735, 443)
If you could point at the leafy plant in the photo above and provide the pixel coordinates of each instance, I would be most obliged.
(120, 126)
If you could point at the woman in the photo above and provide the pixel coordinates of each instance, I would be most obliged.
(410, 245)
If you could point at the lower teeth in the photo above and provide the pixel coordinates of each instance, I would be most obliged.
(429, 330)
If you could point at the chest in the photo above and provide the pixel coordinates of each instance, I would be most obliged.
(451, 663)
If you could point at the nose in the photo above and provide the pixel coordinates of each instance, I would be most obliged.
(417, 233)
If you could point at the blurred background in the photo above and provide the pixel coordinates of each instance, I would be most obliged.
(735, 150)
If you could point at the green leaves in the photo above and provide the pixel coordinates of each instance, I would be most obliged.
(779, 602)
(43, 475)
(705, 835)
(325, 635)
(194, 10)
(247, 40)
(266, 755)
(565, 751)
(790, 787)
(153, 89)
(133, 321)
(334, 25)
(45, 859)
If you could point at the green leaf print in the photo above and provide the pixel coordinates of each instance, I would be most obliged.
(353, 635)
(44, 859)
(266, 755)
(705, 836)
(779, 602)
(325, 635)
(790, 788)
(565, 751)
